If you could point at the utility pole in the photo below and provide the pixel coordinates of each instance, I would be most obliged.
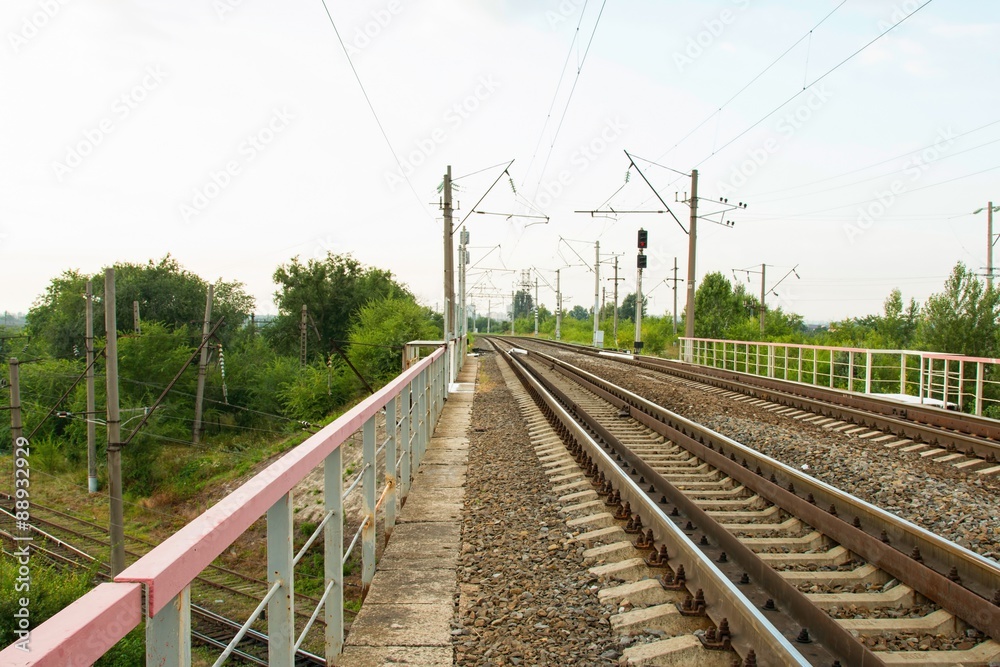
(512, 312)
(303, 339)
(136, 325)
(116, 510)
(558, 307)
(616, 279)
(692, 245)
(597, 289)
(199, 398)
(536, 306)
(91, 400)
(489, 319)
(675, 296)
(989, 246)
(449, 273)
(462, 263)
(763, 269)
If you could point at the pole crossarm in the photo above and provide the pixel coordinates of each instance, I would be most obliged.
(459, 226)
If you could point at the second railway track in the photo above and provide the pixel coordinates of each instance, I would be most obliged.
(853, 580)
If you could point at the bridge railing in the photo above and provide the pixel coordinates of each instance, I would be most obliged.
(969, 384)
(157, 587)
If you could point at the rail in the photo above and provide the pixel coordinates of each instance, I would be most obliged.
(957, 382)
(156, 588)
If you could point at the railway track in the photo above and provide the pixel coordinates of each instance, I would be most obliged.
(960, 439)
(801, 572)
(52, 539)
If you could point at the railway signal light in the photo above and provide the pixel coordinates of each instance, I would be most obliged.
(640, 261)
(643, 239)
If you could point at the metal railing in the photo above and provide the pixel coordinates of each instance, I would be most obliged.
(968, 384)
(157, 587)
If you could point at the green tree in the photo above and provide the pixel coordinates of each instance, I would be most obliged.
(579, 313)
(166, 293)
(379, 332)
(963, 318)
(626, 311)
(332, 289)
(523, 304)
(719, 307)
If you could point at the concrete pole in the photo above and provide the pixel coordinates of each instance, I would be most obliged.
(489, 307)
(989, 246)
(512, 313)
(616, 303)
(763, 273)
(558, 307)
(199, 399)
(692, 247)
(536, 306)
(675, 296)
(91, 399)
(449, 273)
(116, 509)
(597, 289)
(136, 325)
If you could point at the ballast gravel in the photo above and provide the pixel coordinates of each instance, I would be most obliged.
(526, 598)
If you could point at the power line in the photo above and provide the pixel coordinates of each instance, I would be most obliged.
(751, 82)
(378, 122)
(569, 99)
(865, 180)
(815, 81)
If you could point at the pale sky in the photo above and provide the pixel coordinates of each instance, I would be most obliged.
(233, 135)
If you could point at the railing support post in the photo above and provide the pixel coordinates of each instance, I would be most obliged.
(168, 634)
(405, 474)
(391, 476)
(368, 448)
(333, 552)
(980, 369)
(868, 372)
(280, 555)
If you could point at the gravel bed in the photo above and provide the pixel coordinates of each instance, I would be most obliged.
(922, 643)
(526, 596)
(957, 505)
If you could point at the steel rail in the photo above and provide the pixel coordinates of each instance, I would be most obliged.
(960, 432)
(751, 629)
(980, 577)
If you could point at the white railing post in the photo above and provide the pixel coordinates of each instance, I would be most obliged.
(902, 373)
(368, 448)
(961, 385)
(799, 355)
(980, 369)
(423, 428)
(850, 371)
(868, 371)
(280, 555)
(921, 392)
(405, 475)
(391, 474)
(168, 634)
(333, 546)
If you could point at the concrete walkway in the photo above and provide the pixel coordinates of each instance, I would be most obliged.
(407, 615)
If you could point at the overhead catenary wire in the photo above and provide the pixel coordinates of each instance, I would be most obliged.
(814, 82)
(569, 99)
(371, 107)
